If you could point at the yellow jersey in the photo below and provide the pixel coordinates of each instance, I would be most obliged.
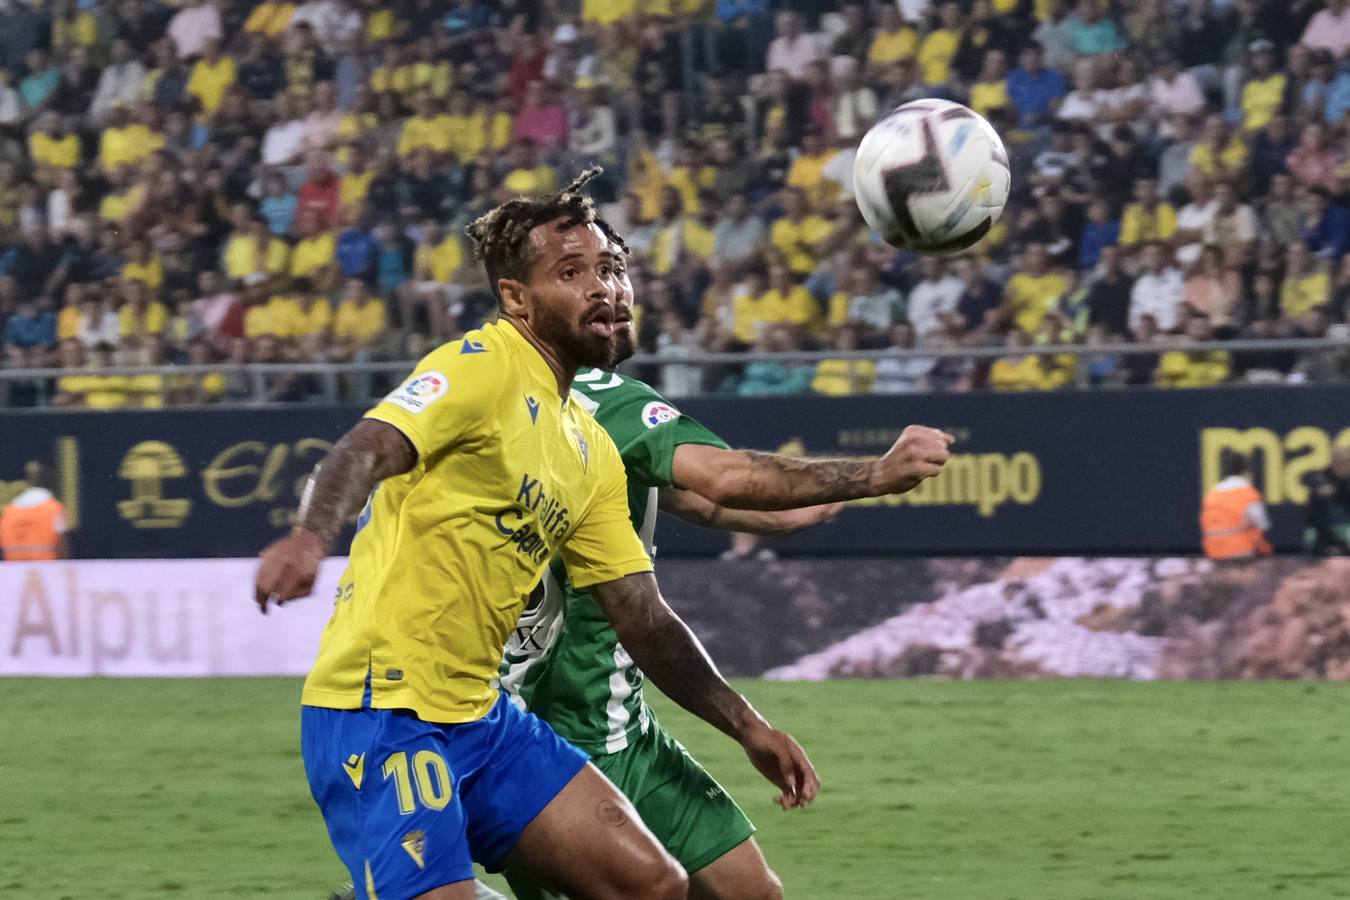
(364, 321)
(63, 153)
(508, 475)
(208, 82)
(797, 240)
(893, 46)
(313, 253)
(425, 132)
(440, 261)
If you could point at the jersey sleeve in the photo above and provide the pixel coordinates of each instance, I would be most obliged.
(604, 547)
(444, 402)
(647, 429)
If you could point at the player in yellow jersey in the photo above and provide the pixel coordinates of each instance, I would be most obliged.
(469, 479)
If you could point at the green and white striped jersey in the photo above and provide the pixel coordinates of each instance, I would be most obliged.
(563, 662)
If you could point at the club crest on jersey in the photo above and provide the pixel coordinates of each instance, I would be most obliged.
(420, 391)
(657, 413)
(583, 447)
(415, 843)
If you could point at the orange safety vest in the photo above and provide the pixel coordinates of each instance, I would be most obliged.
(1225, 529)
(31, 532)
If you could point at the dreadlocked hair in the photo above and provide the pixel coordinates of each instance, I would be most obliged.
(501, 236)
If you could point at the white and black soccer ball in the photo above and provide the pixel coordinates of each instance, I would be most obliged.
(931, 177)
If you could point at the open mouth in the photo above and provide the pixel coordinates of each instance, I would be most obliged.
(602, 322)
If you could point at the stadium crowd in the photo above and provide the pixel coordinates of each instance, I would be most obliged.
(235, 181)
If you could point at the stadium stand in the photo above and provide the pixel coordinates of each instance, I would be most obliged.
(234, 182)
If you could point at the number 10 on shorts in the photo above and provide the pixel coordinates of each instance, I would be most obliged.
(428, 773)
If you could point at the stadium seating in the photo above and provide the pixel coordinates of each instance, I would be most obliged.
(234, 182)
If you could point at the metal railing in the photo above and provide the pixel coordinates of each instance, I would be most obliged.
(252, 383)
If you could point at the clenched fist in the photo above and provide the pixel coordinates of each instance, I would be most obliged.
(287, 568)
(919, 453)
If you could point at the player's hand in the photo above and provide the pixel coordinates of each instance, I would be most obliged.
(781, 759)
(919, 453)
(806, 516)
(288, 568)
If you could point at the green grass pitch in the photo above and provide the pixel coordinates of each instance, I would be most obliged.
(933, 790)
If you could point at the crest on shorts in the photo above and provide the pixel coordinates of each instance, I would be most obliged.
(415, 842)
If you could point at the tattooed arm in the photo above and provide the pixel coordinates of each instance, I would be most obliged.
(340, 484)
(670, 655)
(701, 511)
(747, 479)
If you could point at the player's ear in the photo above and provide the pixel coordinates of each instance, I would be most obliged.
(514, 296)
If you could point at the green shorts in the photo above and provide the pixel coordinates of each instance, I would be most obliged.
(688, 811)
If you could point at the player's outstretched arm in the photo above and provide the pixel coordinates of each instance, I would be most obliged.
(672, 657)
(747, 479)
(338, 487)
(699, 510)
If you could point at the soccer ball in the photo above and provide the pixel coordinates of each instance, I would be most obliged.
(931, 177)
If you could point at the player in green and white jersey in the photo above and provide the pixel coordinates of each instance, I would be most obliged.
(565, 664)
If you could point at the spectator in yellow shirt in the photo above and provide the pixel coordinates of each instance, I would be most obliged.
(1221, 154)
(140, 315)
(124, 201)
(316, 251)
(71, 315)
(1194, 368)
(356, 178)
(1266, 91)
(437, 263)
(144, 265)
(1021, 371)
(799, 235)
(52, 144)
(280, 316)
(501, 125)
(690, 176)
(678, 237)
(785, 301)
(892, 41)
(359, 323)
(990, 90)
(1033, 291)
(391, 76)
(1306, 283)
(429, 129)
(252, 248)
(1014, 372)
(211, 76)
(808, 170)
(73, 27)
(468, 127)
(607, 12)
(528, 175)
(427, 72)
(257, 320)
(270, 18)
(843, 377)
(938, 48)
(312, 319)
(114, 145)
(92, 391)
(1149, 217)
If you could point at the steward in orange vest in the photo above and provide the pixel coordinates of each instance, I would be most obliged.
(1233, 520)
(33, 525)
